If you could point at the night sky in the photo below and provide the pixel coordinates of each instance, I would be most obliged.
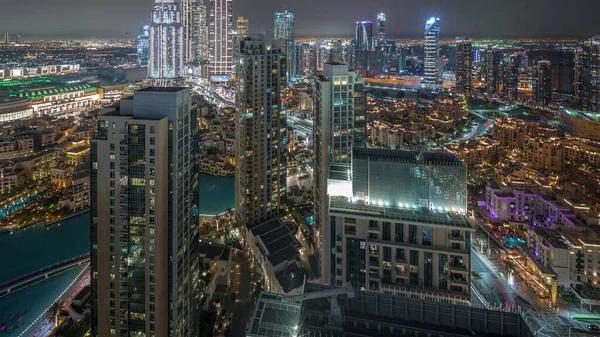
(319, 18)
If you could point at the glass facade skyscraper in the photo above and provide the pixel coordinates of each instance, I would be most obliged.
(464, 66)
(432, 52)
(143, 43)
(144, 214)
(284, 31)
(542, 82)
(492, 70)
(587, 75)
(364, 36)
(510, 80)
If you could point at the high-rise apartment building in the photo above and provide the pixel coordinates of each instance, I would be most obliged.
(199, 34)
(166, 57)
(340, 122)
(242, 28)
(337, 52)
(284, 31)
(6, 38)
(403, 231)
(220, 40)
(542, 83)
(492, 70)
(187, 8)
(143, 44)
(510, 79)
(364, 36)
(587, 75)
(260, 131)
(380, 40)
(144, 217)
(464, 66)
(431, 62)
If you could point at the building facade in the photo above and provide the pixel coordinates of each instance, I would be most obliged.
(492, 70)
(464, 66)
(338, 92)
(587, 75)
(432, 52)
(542, 83)
(380, 39)
(404, 233)
(242, 28)
(220, 46)
(166, 41)
(260, 132)
(510, 79)
(143, 44)
(364, 36)
(285, 32)
(144, 217)
(199, 35)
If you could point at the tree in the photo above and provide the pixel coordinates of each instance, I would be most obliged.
(590, 291)
(53, 312)
(400, 94)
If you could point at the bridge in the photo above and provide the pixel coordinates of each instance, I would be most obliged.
(42, 274)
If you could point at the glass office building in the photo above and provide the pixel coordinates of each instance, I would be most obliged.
(431, 181)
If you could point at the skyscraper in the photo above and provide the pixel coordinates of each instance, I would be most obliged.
(242, 28)
(381, 40)
(166, 41)
(338, 92)
(187, 8)
(492, 70)
(587, 75)
(221, 40)
(542, 83)
(143, 42)
(260, 131)
(464, 66)
(144, 217)
(6, 38)
(364, 36)
(510, 80)
(199, 35)
(284, 31)
(432, 52)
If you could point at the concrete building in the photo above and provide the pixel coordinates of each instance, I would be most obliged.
(284, 31)
(380, 39)
(339, 122)
(480, 151)
(542, 153)
(260, 126)
(144, 216)
(510, 79)
(511, 133)
(274, 247)
(220, 46)
(493, 76)
(580, 123)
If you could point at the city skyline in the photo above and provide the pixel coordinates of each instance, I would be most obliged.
(537, 18)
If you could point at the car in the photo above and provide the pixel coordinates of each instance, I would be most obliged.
(230, 317)
(593, 327)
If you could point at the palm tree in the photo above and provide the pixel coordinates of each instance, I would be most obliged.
(53, 312)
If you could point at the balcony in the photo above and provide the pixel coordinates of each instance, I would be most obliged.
(373, 273)
(458, 280)
(458, 268)
(460, 238)
(401, 260)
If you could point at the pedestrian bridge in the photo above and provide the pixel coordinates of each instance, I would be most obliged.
(42, 274)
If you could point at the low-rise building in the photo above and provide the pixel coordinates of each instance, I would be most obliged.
(512, 132)
(482, 150)
(581, 123)
(274, 246)
(10, 178)
(542, 153)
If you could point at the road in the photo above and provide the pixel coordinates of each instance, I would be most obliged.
(488, 285)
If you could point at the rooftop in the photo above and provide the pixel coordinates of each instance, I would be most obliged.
(213, 251)
(343, 204)
(552, 236)
(163, 89)
(427, 158)
(278, 237)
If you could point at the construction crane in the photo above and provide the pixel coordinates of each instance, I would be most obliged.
(336, 317)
